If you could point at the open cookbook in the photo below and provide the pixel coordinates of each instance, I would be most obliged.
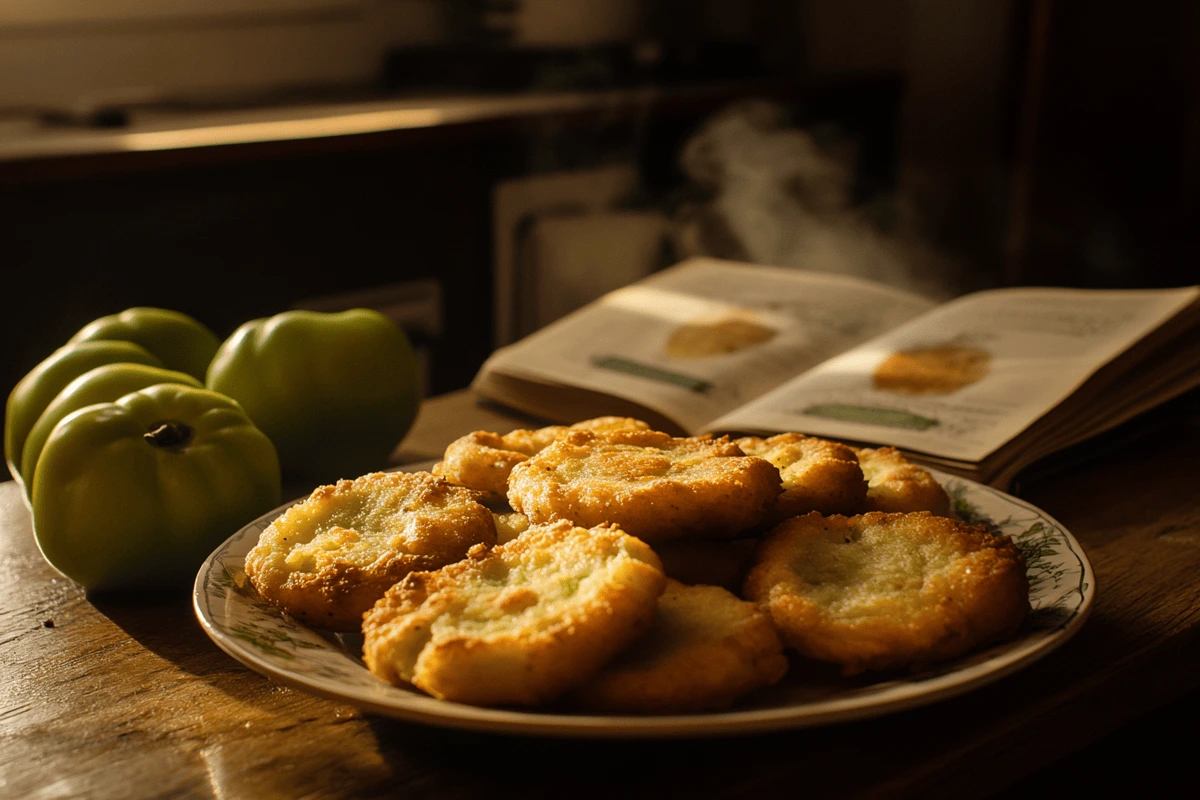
(979, 386)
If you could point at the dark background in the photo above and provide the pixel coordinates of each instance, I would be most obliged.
(1067, 154)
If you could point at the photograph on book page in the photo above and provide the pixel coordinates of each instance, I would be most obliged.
(702, 338)
(967, 377)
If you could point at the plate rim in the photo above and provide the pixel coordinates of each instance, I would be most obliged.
(944, 683)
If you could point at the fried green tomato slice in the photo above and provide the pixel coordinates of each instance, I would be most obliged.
(482, 460)
(888, 591)
(817, 474)
(326, 560)
(655, 486)
(707, 649)
(520, 624)
(896, 484)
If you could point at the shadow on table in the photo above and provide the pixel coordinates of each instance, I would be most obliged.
(164, 623)
(299, 742)
(468, 764)
(261, 740)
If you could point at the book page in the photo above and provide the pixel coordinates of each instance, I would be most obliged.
(969, 376)
(699, 339)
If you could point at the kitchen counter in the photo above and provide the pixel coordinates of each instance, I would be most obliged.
(36, 149)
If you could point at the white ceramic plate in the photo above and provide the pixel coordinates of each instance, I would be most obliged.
(264, 639)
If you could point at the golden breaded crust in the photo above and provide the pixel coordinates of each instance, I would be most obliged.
(519, 624)
(707, 649)
(602, 424)
(482, 460)
(896, 484)
(328, 559)
(818, 475)
(886, 591)
(653, 485)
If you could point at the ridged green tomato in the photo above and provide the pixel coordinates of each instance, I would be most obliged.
(104, 384)
(335, 392)
(180, 341)
(38, 389)
(140, 491)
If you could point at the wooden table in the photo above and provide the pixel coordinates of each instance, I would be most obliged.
(129, 698)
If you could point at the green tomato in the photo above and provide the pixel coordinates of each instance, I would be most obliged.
(138, 492)
(104, 384)
(181, 342)
(335, 392)
(43, 383)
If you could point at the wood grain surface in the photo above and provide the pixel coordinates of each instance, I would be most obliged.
(124, 697)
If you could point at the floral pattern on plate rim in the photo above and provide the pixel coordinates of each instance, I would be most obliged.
(274, 644)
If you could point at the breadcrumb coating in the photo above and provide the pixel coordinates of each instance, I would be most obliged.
(818, 475)
(655, 486)
(707, 649)
(482, 460)
(896, 484)
(328, 559)
(519, 624)
(887, 591)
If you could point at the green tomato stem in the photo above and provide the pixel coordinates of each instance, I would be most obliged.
(168, 434)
